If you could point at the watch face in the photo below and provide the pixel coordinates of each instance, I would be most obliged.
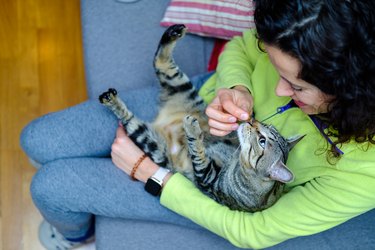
(153, 187)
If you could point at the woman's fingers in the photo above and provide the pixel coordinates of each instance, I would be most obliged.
(216, 113)
(120, 132)
(228, 107)
(220, 123)
(217, 132)
(232, 103)
(228, 127)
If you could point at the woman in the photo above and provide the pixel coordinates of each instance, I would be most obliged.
(320, 54)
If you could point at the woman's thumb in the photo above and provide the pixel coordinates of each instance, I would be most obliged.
(120, 132)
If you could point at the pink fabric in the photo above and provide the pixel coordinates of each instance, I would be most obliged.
(213, 18)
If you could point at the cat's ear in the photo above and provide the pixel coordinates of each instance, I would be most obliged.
(292, 141)
(280, 172)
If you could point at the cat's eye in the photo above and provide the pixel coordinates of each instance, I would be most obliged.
(262, 142)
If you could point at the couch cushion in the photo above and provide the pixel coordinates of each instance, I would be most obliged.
(213, 18)
(114, 234)
(357, 233)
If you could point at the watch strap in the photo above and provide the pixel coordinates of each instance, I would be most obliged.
(154, 184)
(160, 174)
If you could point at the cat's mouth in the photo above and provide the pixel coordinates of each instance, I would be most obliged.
(244, 130)
(252, 123)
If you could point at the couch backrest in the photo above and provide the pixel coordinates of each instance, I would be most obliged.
(120, 39)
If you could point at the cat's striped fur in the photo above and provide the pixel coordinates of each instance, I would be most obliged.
(243, 171)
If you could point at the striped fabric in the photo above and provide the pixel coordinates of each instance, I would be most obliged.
(213, 18)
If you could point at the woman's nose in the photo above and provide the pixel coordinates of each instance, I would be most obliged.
(283, 88)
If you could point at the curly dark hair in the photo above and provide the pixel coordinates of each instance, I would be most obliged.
(334, 40)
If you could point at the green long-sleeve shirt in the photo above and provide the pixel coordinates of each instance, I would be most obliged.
(320, 197)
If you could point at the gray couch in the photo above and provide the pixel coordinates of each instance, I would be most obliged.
(120, 37)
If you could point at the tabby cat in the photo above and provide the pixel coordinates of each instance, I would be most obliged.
(244, 171)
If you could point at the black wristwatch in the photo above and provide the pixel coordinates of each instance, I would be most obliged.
(155, 183)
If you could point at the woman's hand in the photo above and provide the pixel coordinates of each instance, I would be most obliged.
(125, 154)
(229, 106)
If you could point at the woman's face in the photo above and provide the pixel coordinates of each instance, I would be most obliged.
(308, 98)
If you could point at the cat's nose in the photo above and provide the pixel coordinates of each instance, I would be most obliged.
(251, 121)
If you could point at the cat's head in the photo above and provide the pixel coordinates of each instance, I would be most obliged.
(265, 151)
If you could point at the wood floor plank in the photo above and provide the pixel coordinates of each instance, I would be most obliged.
(41, 71)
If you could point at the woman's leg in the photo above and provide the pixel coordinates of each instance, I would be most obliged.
(88, 129)
(69, 191)
(75, 182)
(85, 130)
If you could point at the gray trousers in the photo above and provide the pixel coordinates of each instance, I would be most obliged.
(77, 179)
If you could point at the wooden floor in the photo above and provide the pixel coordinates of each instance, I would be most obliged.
(41, 70)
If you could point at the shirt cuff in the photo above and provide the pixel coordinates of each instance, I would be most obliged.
(175, 185)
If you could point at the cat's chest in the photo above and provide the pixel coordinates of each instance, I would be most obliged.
(171, 128)
(173, 132)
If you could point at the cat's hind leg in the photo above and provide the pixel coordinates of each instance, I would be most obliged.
(205, 168)
(166, 69)
(141, 133)
(173, 80)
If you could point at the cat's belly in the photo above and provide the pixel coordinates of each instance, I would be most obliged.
(170, 126)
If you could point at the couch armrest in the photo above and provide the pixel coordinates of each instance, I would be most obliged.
(120, 39)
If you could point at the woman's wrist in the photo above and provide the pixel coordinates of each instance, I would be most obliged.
(148, 168)
(241, 88)
(166, 178)
(145, 170)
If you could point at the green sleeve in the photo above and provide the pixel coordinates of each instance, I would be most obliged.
(318, 205)
(236, 65)
(237, 61)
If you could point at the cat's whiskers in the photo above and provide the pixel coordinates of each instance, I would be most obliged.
(235, 152)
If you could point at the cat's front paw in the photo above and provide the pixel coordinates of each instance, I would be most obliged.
(173, 33)
(191, 127)
(108, 97)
